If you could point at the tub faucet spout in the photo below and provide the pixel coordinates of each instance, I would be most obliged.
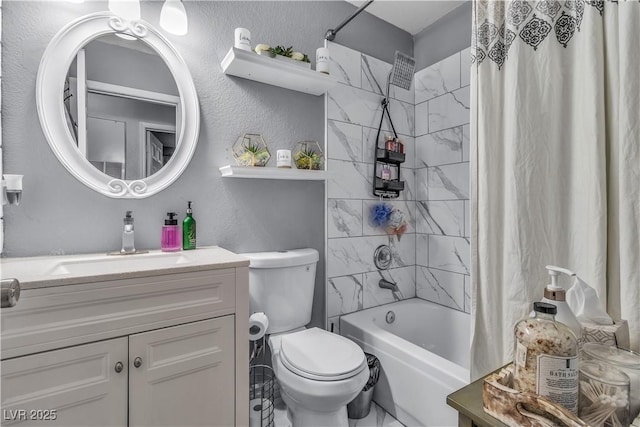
(385, 284)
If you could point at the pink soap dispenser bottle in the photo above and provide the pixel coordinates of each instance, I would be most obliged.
(171, 236)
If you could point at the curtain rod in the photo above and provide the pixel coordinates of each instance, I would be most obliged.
(331, 34)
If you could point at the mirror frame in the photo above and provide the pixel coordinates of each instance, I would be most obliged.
(52, 73)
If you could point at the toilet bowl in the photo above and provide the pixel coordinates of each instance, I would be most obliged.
(319, 373)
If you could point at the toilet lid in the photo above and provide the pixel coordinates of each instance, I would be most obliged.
(320, 355)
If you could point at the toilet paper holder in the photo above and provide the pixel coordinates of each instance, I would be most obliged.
(258, 324)
(263, 386)
(262, 396)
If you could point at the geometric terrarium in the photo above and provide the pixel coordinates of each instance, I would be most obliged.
(250, 150)
(308, 155)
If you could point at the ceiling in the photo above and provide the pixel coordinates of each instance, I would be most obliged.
(412, 16)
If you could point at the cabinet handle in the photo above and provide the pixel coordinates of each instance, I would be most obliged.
(119, 367)
(10, 293)
(137, 362)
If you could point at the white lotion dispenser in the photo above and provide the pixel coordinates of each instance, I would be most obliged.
(128, 246)
(556, 295)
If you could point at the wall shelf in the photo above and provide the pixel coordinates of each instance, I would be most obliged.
(230, 171)
(260, 68)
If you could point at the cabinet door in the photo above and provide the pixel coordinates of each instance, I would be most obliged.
(74, 386)
(183, 375)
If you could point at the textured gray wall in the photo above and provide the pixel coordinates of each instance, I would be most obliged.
(59, 215)
(369, 34)
(443, 38)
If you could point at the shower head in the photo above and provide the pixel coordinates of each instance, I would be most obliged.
(402, 71)
(401, 75)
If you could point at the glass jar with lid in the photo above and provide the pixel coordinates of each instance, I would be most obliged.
(546, 357)
(625, 360)
(604, 395)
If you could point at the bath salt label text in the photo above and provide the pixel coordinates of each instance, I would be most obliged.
(558, 380)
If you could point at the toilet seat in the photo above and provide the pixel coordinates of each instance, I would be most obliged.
(320, 355)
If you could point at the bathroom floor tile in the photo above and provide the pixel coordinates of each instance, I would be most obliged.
(377, 417)
(281, 419)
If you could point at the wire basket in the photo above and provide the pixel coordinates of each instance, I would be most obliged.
(262, 395)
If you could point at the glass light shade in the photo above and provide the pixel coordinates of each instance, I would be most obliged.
(126, 9)
(173, 17)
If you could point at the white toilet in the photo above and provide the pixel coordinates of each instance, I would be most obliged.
(319, 372)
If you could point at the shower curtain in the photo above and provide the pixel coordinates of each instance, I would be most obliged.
(555, 160)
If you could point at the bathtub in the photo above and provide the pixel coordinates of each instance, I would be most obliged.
(424, 355)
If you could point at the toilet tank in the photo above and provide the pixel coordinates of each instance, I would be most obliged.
(281, 285)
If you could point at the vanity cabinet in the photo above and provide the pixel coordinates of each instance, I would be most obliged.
(165, 347)
(183, 376)
(75, 386)
(177, 376)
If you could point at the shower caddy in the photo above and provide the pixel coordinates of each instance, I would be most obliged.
(387, 188)
(401, 75)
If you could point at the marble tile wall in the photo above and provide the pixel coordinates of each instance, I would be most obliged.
(353, 115)
(442, 182)
(432, 260)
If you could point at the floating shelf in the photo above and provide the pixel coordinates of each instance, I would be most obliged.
(260, 68)
(229, 171)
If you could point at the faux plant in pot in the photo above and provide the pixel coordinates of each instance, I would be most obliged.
(287, 54)
(250, 150)
(265, 49)
(308, 155)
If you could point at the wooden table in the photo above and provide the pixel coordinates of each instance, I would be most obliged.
(468, 402)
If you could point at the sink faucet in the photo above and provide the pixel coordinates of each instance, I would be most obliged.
(128, 246)
(385, 284)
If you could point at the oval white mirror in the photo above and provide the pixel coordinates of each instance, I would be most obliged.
(121, 132)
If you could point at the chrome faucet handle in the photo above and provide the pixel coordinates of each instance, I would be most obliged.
(10, 292)
(382, 257)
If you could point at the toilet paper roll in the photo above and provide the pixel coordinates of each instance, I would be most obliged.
(260, 412)
(258, 324)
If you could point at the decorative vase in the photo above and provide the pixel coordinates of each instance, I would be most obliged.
(322, 60)
(283, 158)
(242, 39)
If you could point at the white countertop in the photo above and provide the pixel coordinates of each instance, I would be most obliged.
(48, 271)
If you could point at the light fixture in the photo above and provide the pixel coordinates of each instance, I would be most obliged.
(126, 9)
(173, 17)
